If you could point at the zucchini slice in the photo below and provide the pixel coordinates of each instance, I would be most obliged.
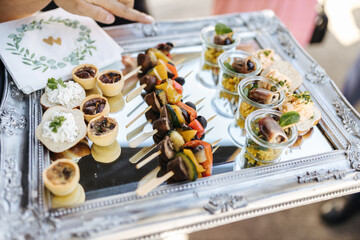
(174, 119)
(190, 166)
(177, 140)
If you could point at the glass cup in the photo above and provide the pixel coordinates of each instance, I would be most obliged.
(209, 69)
(258, 151)
(247, 106)
(226, 99)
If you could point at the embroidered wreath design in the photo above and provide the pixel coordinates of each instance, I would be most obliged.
(41, 62)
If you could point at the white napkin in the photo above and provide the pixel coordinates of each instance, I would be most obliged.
(26, 50)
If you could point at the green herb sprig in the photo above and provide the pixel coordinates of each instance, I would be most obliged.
(289, 118)
(221, 29)
(56, 123)
(53, 83)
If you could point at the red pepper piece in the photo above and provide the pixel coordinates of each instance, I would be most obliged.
(192, 113)
(208, 152)
(178, 87)
(196, 125)
(172, 69)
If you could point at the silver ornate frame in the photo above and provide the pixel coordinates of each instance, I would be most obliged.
(178, 208)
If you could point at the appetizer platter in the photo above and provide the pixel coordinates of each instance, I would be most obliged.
(182, 138)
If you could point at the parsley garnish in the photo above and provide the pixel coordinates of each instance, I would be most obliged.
(267, 52)
(56, 123)
(221, 29)
(304, 96)
(52, 83)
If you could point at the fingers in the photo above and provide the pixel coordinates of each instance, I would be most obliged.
(96, 12)
(120, 10)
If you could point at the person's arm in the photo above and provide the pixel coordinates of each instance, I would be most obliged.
(15, 9)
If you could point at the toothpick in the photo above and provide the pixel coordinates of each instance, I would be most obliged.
(142, 138)
(140, 154)
(209, 130)
(135, 93)
(149, 176)
(215, 149)
(211, 118)
(136, 70)
(188, 74)
(216, 142)
(199, 109)
(199, 101)
(179, 61)
(152, 184)
(135, 108)
(138, 116)
(148, 159)
(136, 131)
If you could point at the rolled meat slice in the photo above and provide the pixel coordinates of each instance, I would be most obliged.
(272, 131)
(264, 96)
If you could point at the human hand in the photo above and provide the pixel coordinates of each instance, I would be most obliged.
(104, 10)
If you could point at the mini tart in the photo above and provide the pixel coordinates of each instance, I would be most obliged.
(61, 177)
(102, 130)
(58, 147)
(94, 106)
(74, 198)
(85, 75)
(110, 82)
(106, 154)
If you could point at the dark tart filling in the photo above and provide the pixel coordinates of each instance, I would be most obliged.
(110, 77)
(101, 126)
(61, 173)
(85, 72)
(94, 106)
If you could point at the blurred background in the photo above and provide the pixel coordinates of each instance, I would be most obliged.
(336, 53)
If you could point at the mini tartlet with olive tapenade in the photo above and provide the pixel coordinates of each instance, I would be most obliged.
(102, 130)
(61, 177)
(85, 75)
(110, 82)
(94, 106)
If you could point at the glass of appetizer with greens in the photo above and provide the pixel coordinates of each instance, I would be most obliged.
(215, 40)
(234, 65)
(268, 134)
(254, 93)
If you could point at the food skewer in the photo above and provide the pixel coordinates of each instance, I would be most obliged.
(136, 131)
(130, 74)
(151, 175)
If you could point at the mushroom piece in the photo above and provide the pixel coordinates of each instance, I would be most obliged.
(179, 168)
(165, 47)
(264, 96)
(162, 125)
(167, 149)
(94, 106)
(150, 82)
(241, 65)
(151, 115)
(144, 61)
(164, 112)
(152, 101)
(272, 131)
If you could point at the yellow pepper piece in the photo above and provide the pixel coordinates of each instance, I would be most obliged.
(160, 55)
(199, 167)
(172, 95)
(188, 135)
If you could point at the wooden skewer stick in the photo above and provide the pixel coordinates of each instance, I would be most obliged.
(216, 142)
(199, 101)
(179, 61)
(136, 131)
(147, 160)
(198, 110)
(149, 176)
(138, 116)
(140, 154)
(209, 130)
(135, 108)
(215, 149)
(137, 141)
(188, 74)
(211, 118)
(135, 93)
(180, 67)
(127, 76)
(152, 184)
